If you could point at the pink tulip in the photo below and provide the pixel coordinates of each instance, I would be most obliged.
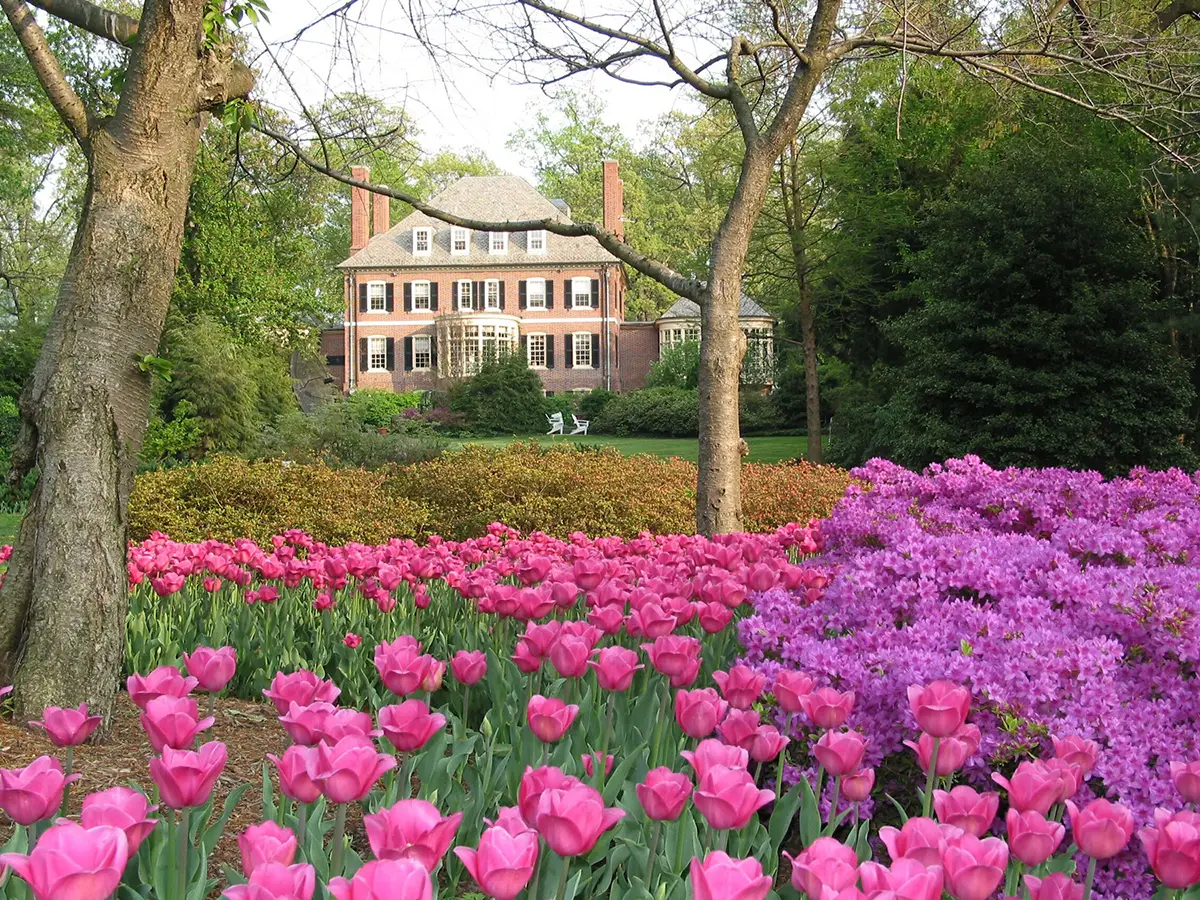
(965, 808)
(1033, 786)
(302, 688)
(503, 863)
(713, 617)
(411, 829)
(67, 727)
(906, 879)
(826, 867)
(165, 680)
(35, 792)
(768, 744)
(664, 794)
(6, 690)
(305, 724)
(536, 782)
(974, 866)
(569, 656)
(940, 707)
(1053, 887)
(401, 665)
(615, 668)
(920, 839)
(827, 708)
(721, 878)
(1186, 778)
(650, 621)
(469, 666)
(346, 771)
(185, 778)
(434, 673)
(840, 752)
(540, 638)
(698, 712)
(572, 819)
(1032, 838)
(408, 726)
(70, 862)
(1101, 829)
(741, 686)
(385, 879)
(1172, 845)
(590, 761)
(338, 723)
(739, 728)
(790, 689)
(1078, 752)
(953, 751)
(857, 787)
(674, 656)
(293, 768)
(120, 807)
(211, 668)
(273, 881)
(509, 819)
(265, 843)
(609, 619)
(727, 798)
(549, 718)
(710, 753)
(527, 660)
(173, 722)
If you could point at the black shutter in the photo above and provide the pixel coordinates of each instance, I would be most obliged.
(390, 295)
(549, 351)
(616, 339)
(525, 348)
(595, 351)
(391, 354)
(433, 352)
(502, 295)
(433, 296)
(408, 359)
(521, 293)
(362, 298)
(408, 305)
(364, 362)
(549, 293)
(568, 351)
(595, 293)
(568, 299)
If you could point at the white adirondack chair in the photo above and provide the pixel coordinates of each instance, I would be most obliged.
(556, 423)
(581, 425)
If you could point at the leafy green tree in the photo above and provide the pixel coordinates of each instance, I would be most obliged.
(503, 397)
(677, 367)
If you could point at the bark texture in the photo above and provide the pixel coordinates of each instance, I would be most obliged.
(63, 603)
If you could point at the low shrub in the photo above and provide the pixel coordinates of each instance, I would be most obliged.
(504, 397)
(377, 409)
(592, 404)
(661, 412)
(227, 498)
(776, 493)
(333, 435)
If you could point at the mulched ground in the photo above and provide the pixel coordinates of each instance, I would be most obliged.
(249, 730)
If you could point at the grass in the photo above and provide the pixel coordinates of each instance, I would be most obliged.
(8, 526)
(766, 449)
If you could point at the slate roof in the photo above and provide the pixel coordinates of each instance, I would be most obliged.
(684, 308)
(494, 198)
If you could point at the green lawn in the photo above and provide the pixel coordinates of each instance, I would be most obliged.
(8, 526)
(762, 449)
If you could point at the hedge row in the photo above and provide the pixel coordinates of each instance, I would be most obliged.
(553, 489)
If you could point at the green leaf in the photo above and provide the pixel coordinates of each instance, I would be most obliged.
(782, 816)
(810, 814)
(213, 833)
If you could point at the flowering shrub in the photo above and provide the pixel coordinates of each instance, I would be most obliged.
(1068, 604)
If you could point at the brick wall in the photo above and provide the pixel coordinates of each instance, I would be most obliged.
(639, 349)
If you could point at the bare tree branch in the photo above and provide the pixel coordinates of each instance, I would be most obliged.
(1180, 9)
(92, 18)
(66, 102)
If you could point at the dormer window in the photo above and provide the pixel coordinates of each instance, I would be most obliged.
(460, 241)
(535, 242)
(499, 242)
(422, 241)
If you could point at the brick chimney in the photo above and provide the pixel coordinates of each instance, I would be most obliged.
(382, 213)
(360, 210)
(614, 200)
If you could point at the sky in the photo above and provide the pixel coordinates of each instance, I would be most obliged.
(455, 108)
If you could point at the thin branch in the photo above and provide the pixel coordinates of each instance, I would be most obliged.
(92, 18)
(66, 102)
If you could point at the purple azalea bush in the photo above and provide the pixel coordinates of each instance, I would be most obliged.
(1067, 604)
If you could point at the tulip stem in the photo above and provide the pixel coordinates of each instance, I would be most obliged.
(653, 856)
(782, 756)
(1087, 882)
(339, 840)
(537, 872)
(608, 722)
(466, 708)
(562, 879)
(658, 728)
(171, 876)
(212, 704)
(927, 800)
(302, 827)
(184, 841)
(837, 796)
(67, 785)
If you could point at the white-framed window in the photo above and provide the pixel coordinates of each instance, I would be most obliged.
(420, 295)
(422, 351)
(376, 296)
(535, 242)
(460, 241)
(582, 349)
(691, 333)
(535, 350)
(675, 335)
(491, 294)
(581, 293)
(377, 354)
(535, 293)
(498, 243)
(464, 291)
(422, 241)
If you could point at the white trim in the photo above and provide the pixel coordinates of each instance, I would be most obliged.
(429, 339)
(575, 336)
(374, 323)
(428, 251)
(545, 349)
(370, 353)
(487, 286)
(456, 233)
(458, 283)
(383, 285)
(581, 320)
(529, 235)
(503, 240)
(428, 295)
(575, 292)
(544, 282)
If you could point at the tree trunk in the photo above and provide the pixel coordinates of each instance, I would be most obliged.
(63, 603)
(808, 340)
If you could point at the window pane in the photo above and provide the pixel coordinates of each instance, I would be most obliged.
(537, 241)
(583, 350)
(421, 240)
(378, 295)
(420, 295)
(499, 241)
(537, 350)
(422, 354)
(464, 294)
(581, 293)
(492, 294)
(377, 353)
(535, 293)
(460, 239)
